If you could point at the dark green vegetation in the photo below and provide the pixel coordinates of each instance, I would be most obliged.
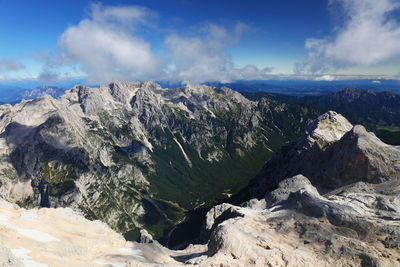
(60, 179)
(378, 112)
(201, 185)
(26, 203)
(388, 134)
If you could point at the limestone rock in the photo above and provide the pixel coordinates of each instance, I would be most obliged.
(303, 228)
(61, 237)
(287, 187)
(145, 237)
(8, 259)
(216, 215)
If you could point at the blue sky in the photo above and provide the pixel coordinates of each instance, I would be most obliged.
(197, 41)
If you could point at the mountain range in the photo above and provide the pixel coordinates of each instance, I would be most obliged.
(377, 111)
(136, 155)
(329, 199)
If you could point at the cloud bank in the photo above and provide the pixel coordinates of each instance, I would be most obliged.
(8, 64)
(368, 36)
(109, 45)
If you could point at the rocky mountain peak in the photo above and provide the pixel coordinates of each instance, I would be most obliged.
(379, 162)
(351, 94)
(327, 128)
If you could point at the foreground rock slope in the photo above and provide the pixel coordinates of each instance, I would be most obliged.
(60, 237)
(351, 220)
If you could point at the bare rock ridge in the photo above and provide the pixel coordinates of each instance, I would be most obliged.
(351, 220)
(122, 153)
(331, 153)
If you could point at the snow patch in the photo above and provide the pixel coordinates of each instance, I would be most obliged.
(183, 152)
(35, 235)
(130, 251)
(22, 254)
(30, 233)
(107, 263)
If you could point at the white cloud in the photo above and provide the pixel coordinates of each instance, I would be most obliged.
(47, 75)
(197, 59)
(205, 56)
(325, 78)
(251, 72)
(368, 36)
(128, 16)
(106, 47)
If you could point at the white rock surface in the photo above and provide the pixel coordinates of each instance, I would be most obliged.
(60, 237)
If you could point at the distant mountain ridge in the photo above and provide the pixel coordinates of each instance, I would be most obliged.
(13, 95)
(300, 88)
(377, 111)
(40, 91)
(352, 102)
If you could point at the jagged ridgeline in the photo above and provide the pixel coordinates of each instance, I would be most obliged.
(135, 155)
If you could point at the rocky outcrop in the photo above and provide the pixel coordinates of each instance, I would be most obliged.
(304, 228)
(288, 187)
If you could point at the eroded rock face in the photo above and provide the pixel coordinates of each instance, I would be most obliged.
(331, 153)
(218, 214)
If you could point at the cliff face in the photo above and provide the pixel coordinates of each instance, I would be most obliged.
(354, 220)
